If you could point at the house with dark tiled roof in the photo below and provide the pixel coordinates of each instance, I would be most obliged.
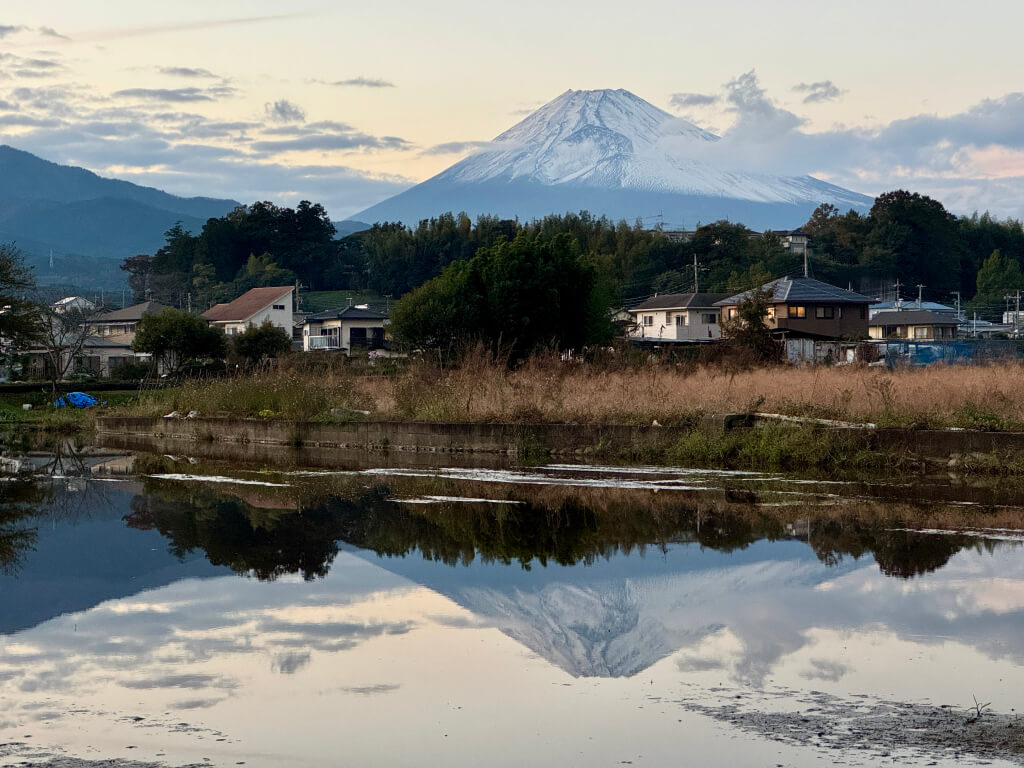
(800, 306)
(344, 330)
(253, 308)
(684, 317)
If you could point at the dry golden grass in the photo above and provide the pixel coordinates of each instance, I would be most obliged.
(546, 390)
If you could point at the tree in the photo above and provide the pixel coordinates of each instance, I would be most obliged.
(513, 296)
(19, 317)
(140, 271)
(748, 329)
(256, 344)
(998, 277)
(63, 333)
(176, 338)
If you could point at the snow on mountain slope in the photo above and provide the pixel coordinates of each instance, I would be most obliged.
(616, 154)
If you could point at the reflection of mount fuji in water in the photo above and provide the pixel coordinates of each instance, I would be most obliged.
(619, 616)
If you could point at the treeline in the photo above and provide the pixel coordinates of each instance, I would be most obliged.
(906, 237)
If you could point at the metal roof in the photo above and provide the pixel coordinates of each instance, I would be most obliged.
(800, 289)
(347, 313)
(679, 301)
(912, 317)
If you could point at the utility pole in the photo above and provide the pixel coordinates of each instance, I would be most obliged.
(896, 303)
(1015, 297)
(696, 288)
(920, 287)
(957, 294)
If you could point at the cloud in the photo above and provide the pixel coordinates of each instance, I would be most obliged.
(284, 111)
(362, 82)
(455, 147)
(120, 33)
(757, 118)
(192, 682)
(7, 30)
(330, 142)
(51, 32)
(192, 72)
(824, 90)
(686, 100)
(171, 95)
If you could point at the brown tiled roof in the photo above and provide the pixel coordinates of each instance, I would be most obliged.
(246, 305)
(134, 312)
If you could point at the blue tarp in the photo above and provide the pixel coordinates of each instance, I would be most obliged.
(75, 400)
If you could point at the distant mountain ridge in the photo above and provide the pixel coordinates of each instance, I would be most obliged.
(614, 154)
(84, 218)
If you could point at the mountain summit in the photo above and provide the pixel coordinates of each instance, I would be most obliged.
(614, 154)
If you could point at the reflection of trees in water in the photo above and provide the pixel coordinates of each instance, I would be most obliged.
(898, 552)
(269, 543)
(21, 501)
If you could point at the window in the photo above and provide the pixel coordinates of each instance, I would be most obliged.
(279, 306)
(733, 312)
(682, 320)
(920, 332)
(795, 311)
(770, 313)
(648, 319)
(824, 313)
(668, 318)
(709, 318)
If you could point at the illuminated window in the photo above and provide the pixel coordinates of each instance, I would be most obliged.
(795, 311)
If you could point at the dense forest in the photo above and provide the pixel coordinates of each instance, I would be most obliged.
(906, 237)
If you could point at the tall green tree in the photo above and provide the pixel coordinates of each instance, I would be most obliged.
(998, 277)
(175, 338)
(19, 316)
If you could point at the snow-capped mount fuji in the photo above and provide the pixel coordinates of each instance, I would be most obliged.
(613, 154)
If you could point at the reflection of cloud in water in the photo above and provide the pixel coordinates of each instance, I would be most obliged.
(690, 664)
(290, 663)
(194, 682)
(823, 669)
(371, 690)
(195, 703)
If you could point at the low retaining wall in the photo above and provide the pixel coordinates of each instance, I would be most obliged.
(512, 439)
(537, 440)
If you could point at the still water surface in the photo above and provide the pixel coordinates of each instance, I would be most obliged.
(161, 608)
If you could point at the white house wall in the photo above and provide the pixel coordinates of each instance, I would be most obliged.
(664, 325)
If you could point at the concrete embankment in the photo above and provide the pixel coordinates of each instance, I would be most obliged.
(951, 448)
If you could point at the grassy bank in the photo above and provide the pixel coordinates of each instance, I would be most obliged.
(545, 390)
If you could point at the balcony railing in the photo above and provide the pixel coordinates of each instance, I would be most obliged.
(324, 342)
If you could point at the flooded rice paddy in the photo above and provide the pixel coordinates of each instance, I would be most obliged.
(166, 609)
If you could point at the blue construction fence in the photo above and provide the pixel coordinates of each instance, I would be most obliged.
(900, 352)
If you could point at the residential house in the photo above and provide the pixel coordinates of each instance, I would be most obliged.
(913, 324)
(794, 241)
(344, 330)
(686, 317)
(253, 308)
(901, 305)
(73, 304)
(804, 307)
(120, 324)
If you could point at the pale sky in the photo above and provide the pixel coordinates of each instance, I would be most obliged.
(346, 104)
